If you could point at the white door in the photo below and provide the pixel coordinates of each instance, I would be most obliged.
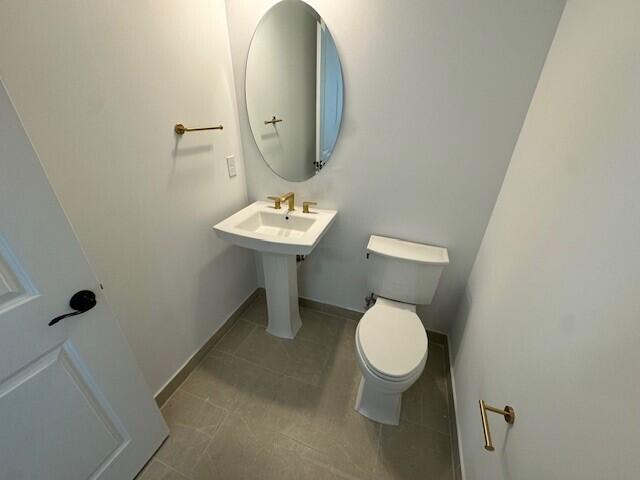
(73, 402)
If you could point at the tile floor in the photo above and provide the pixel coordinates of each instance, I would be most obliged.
(259, 407)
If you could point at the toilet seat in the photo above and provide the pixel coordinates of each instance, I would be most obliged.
(392, 340)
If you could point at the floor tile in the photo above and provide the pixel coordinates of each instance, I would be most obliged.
(266, 350)
(319, 327)
(412, 451)
(234, 337)
(323, 418)
(342, 369)
(263, 407)
(256, 312)
(192, 422)
(435, 402)
(412, 405)
(157, 471)
(233, 384)
(242, 451)
(349, 443)
(297, 358)
(299, 409)
(436, 361)
(346, 339)
(189, 411)
(183, 448)
(307, 361)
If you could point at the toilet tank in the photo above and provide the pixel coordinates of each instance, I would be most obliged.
(404, 271)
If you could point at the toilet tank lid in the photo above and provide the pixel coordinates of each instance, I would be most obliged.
(415, 252)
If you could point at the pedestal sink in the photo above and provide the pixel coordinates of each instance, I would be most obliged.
(279, 236)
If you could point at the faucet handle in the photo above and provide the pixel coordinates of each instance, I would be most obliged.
(277, 201)
(306, 205)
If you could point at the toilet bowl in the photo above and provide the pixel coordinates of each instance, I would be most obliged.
(391, 342)
(391, 349)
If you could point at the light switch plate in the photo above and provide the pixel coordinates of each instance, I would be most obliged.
(231, 166)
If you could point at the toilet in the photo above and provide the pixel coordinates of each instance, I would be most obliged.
(391, 342)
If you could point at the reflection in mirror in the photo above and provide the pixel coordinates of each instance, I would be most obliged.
(294, 90)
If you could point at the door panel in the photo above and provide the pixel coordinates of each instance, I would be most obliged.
(73, 402)
(74, 405)
(16, 287)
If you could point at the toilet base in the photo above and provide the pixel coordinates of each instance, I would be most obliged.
(378, 406)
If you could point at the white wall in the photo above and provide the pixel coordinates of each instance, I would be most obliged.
(283, 83)
(551, 323)
(99, 86)
(435, 95)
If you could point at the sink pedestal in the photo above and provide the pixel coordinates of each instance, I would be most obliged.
(279, 236)
(281, 285)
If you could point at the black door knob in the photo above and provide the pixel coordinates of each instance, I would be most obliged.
(81, 302)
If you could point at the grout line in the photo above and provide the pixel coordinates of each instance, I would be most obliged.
(205, 400)
(301, 340)
(225, 335)
(333, 468)
(253, 327)
(175, 391)
(205, 451)
(173, 469)
(257, 365)
(179, 387)
(187, 392)
(194, 370)
(330, 314)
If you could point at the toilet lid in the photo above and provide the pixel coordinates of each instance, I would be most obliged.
(393, 340)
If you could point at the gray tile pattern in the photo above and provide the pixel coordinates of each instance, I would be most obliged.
(260, 407)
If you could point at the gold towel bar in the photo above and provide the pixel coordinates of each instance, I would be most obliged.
(509, 416)
(180, 129)
(273, 120)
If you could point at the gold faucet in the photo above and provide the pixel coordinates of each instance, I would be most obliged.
(306, 205)
(277, 202)
(283, 198)
(290, 197)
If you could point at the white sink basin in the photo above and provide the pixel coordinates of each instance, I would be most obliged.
(261, 227)
(279, 236)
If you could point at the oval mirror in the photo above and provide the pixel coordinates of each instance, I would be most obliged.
(294, 90)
